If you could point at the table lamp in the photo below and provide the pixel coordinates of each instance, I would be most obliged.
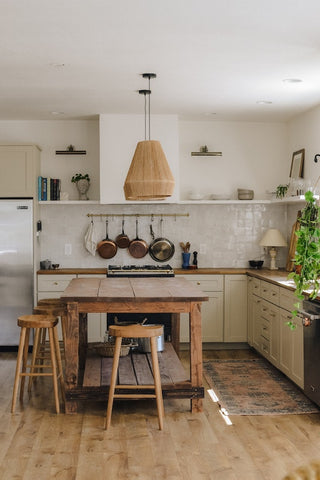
(273, 238)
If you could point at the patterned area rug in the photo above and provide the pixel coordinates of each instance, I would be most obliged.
(255, 387)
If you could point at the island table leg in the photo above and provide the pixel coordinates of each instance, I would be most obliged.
(71, 355)
(195, 353)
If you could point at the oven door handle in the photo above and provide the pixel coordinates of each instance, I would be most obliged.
(309, 315)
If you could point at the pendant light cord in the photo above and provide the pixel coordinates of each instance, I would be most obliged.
(149, 109)
(145, 116)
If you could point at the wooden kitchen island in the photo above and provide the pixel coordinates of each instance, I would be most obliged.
(130, 295)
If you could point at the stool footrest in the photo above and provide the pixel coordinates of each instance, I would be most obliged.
(134, 395)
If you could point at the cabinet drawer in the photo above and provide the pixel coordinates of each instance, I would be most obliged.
(254, 286)
(212, 283)
(265, 329)
(265, 346)
(54, 283)
(287, 299)
(270, 292)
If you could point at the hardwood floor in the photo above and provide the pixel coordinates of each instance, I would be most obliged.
(38, 444)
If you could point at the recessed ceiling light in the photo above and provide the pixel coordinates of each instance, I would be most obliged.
(57, 65)
(264, 102)
(292, 80)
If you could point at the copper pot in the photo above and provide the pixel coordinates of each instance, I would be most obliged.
(138, 248)
(122, 239)
(107, 248)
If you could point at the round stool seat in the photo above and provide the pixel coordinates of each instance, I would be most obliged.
(50, 301)
(136, 331)
(37, 321)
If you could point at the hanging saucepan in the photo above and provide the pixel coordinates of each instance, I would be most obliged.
(107, 248)
(161, 249)
(138, 248)
(122, 239)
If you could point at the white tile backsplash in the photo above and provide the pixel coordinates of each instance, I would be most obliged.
(231, 233)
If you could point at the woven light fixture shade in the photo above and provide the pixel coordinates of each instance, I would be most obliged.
(149, 176)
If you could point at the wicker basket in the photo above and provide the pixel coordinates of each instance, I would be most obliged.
(107, 349)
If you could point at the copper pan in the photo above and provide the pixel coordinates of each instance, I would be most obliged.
(138, 248)
(107, 248)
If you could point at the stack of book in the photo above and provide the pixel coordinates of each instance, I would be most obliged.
(49, 188)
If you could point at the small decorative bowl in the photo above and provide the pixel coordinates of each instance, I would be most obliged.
(256, 263)
(55, 266)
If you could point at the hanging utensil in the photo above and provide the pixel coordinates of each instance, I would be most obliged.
(107, 248)
(138, 248)
(161, 249)
(122, 239)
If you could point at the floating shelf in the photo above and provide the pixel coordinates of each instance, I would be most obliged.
(206, 154)
(203, 152)
(71, 151)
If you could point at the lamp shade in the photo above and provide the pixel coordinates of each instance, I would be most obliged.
(273, 238)
(149, 176)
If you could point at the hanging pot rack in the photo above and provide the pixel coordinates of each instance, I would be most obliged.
(138, 215)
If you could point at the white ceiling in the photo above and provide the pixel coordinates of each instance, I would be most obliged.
(211, 57)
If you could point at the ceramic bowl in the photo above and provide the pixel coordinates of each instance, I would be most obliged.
(256, 263)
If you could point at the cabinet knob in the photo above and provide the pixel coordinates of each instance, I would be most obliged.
(198, 283)
(55, 283)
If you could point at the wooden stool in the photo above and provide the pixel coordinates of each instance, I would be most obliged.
(38, 323)
(54, 309)
(136, 331)
(49, 301)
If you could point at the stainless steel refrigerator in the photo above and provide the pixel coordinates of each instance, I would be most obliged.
(16, 266)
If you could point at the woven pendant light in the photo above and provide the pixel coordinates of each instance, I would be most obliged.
(149, 176)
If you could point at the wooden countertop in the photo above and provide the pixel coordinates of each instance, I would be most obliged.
(178, 271)
(277, 277)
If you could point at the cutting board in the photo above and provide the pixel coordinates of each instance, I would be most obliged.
(293, 242)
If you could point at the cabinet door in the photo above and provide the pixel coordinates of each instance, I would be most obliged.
(253, 289)
(211, 319)
(256, 323)
(97, 322)
(285, 360)
(291, 349)
(20, 166)
(297, 370)
(274, 354)
(211, 311)
(235, 304)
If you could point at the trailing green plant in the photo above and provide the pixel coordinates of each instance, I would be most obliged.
(80, 176)
(281, 190)
(307, 257)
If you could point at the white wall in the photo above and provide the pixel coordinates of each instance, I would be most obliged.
(254, 156)
(230, 233)
(57, 135)
(304, 132)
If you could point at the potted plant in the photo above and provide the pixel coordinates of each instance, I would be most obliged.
(281, 190)
(307, 258)
(82, 183)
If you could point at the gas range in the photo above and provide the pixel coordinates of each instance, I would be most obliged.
(140, 271)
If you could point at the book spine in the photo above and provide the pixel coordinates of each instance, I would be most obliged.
(39, 187)
(58, 188)
(54, 194)
(49, 188)
(44, 181)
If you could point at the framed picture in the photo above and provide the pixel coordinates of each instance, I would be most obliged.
(296, 170)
